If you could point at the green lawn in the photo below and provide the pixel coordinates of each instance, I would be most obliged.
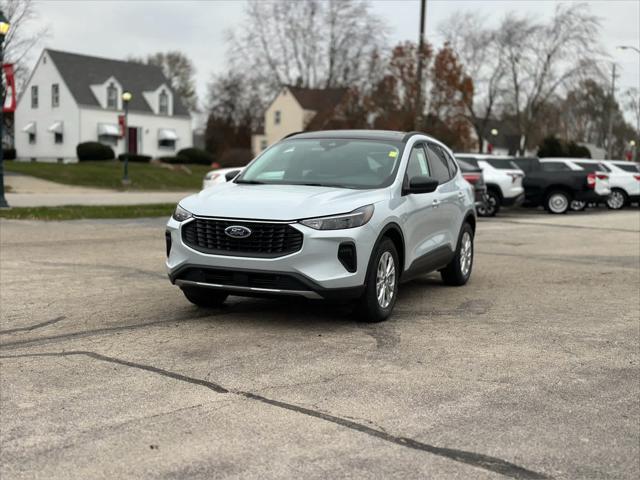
(143, 176)
(75, 212)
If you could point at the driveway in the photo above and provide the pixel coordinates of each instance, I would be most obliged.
(529, 371)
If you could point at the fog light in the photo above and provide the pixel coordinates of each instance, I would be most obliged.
(167, 238)
(347, 256)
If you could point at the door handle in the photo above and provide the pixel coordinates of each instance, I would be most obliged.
(460, 194)
(435, 203)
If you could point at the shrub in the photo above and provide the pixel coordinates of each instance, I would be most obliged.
(173, 160)
(552, 146)
(9, 153)
(94, 151)
(195, 155)
(134, 157)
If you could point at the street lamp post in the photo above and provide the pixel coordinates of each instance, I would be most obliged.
(629, 47)
(4, 29)
(126, 98)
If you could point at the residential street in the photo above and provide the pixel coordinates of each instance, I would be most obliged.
(529, 371)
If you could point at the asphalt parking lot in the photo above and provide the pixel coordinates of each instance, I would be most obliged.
(529, 371)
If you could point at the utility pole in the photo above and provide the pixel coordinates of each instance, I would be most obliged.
(611, 103)
(419, 100)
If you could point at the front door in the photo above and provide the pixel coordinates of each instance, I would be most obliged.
(133, 140)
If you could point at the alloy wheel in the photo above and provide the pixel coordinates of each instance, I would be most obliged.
(615, 201)
(466, 254)
(385, 280)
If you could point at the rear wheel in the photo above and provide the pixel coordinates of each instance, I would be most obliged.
(205, 297)
(491, 205)
(557, 202)
(616, 199)
(458, 271)
(381, 288)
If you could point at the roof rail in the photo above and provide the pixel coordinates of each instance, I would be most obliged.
(292, 134)
(408, 135)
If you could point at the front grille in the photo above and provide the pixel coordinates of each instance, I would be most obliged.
(266, 239)
(219, 276)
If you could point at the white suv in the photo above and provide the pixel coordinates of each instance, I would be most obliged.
(503, 180)
(624, 179)
(338, 214)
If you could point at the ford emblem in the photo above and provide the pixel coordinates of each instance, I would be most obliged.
(237, 231)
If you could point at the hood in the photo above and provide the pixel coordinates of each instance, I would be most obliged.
(277, 202)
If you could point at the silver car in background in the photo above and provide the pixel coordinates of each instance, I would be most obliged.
(333, 214)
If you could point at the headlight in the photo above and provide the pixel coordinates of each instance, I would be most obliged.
(180, 214)
(354, 219)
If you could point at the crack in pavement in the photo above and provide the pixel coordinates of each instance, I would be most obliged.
(478, 460)
(32, 327)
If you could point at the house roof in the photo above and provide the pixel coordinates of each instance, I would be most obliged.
(317, 98)
(81, 71)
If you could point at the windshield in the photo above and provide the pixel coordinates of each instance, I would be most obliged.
(344, 163)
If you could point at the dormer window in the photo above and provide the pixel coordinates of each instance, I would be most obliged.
(163, 104)
(112, 97)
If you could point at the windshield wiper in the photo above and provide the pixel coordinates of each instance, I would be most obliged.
(250, 182)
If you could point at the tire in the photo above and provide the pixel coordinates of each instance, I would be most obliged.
(376, 305)
(557, 202)
(617, 199)
(205, 297)
(578, 205)
(492, 205)
(458, 271)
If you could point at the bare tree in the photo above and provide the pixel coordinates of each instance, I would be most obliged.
(543, 58)
(484, 61)
(22, 40)
(309, 43)
(179, 70)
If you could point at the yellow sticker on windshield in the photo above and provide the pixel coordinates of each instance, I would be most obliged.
(393, 153)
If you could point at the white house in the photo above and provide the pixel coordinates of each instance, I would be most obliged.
(296, 109)
(72, 98)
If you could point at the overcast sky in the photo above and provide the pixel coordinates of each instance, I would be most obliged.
(117, 28)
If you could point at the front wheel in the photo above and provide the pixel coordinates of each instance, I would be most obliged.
(578, 205)
(616, 199)
(205, 297)
(381, 284)
(458, 271)
(557, 202)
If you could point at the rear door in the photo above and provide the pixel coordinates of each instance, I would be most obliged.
(447, 207)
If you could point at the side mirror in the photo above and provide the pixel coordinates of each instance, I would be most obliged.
(421, 184)
(231, 175)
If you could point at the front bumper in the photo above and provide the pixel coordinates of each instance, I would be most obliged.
(314, 271)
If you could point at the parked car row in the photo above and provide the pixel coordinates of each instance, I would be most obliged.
(557, 184)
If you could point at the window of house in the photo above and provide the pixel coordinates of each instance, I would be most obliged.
(112, 97)
(58, 138)
(111, 140)
(277, 117)
(34, 96)
(32, 138)
(163, 107)
(167, 143)
(55, 95)
(263, 144)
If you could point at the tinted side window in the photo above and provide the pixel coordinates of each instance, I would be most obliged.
(417, 163)
(453, 168)
(554, 167)
(470, 160)
(590, 167)
(525, 164)
(628, 168)
(438, 164)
